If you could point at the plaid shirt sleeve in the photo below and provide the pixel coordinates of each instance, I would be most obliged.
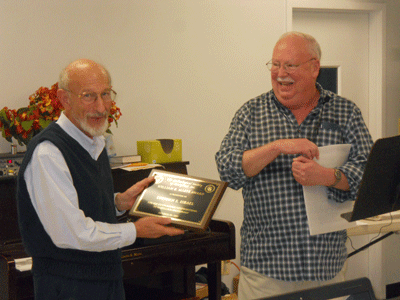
(229, 158)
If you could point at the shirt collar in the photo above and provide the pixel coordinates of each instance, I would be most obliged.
(93, 146)
(323, 94)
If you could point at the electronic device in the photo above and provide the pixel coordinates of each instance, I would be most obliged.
(9, 164)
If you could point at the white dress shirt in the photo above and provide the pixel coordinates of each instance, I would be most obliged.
(55, 199)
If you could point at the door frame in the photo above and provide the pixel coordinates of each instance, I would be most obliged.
(377, 49)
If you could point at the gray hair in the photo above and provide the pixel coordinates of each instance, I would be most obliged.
(313, 46)
(64, 80)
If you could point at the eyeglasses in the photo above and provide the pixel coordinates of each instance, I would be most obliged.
(289, 68)
(107, 95)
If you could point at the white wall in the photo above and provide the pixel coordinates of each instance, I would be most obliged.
(181, 68)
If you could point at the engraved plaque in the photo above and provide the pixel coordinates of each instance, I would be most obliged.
(189, 201)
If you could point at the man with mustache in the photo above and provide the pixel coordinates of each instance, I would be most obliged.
(66, 203)
(269, 152)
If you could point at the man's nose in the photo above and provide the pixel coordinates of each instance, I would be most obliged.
(101, 105)
(282, 70)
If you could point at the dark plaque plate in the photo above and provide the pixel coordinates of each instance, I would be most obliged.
(189, 201)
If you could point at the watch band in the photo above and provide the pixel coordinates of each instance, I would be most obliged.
(338, 177)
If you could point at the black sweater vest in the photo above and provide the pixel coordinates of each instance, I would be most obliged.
(94, 185)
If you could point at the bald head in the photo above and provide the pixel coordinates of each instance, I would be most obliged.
(80, 69)
(311, 43)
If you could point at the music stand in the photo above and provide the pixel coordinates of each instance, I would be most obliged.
(380, 185)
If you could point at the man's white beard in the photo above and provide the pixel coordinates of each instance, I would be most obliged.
(95, 131)
(90, 130)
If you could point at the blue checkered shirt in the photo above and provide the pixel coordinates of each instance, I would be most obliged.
(275, 236)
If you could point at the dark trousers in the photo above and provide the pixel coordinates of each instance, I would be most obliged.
(49, 287)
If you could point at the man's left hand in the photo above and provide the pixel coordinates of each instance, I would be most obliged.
(307, 172)
(125, 200)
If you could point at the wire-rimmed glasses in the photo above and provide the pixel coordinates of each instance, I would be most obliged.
(108, 96)
(289, 68)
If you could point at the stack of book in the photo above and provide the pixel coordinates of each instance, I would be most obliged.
(125, 159)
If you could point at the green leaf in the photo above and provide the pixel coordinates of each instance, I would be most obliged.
(3, 115)
(26, 125)
(44, 123)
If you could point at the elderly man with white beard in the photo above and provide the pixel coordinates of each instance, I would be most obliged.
(66, 203)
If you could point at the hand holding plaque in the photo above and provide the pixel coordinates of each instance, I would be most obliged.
(189, 201)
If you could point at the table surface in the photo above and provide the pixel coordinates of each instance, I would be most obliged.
(380, 224)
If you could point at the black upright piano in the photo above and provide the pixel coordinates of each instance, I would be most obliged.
(163, 268)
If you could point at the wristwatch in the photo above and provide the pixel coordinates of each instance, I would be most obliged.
(338, 176)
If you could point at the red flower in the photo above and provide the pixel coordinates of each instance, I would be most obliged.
(35, 125)
(8, 133)
(19, 129)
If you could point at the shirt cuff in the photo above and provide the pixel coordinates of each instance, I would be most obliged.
(128, 234)
(118, 212)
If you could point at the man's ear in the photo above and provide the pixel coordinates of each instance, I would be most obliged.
(63, 97)
(316, 65)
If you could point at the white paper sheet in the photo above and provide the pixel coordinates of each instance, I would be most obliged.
(324, 214)
(23, 264)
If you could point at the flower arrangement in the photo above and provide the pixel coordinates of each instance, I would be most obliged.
(44, 107)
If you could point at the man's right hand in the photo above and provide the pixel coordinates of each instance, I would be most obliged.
(155, 227)
(256, 159)
(302, 147)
